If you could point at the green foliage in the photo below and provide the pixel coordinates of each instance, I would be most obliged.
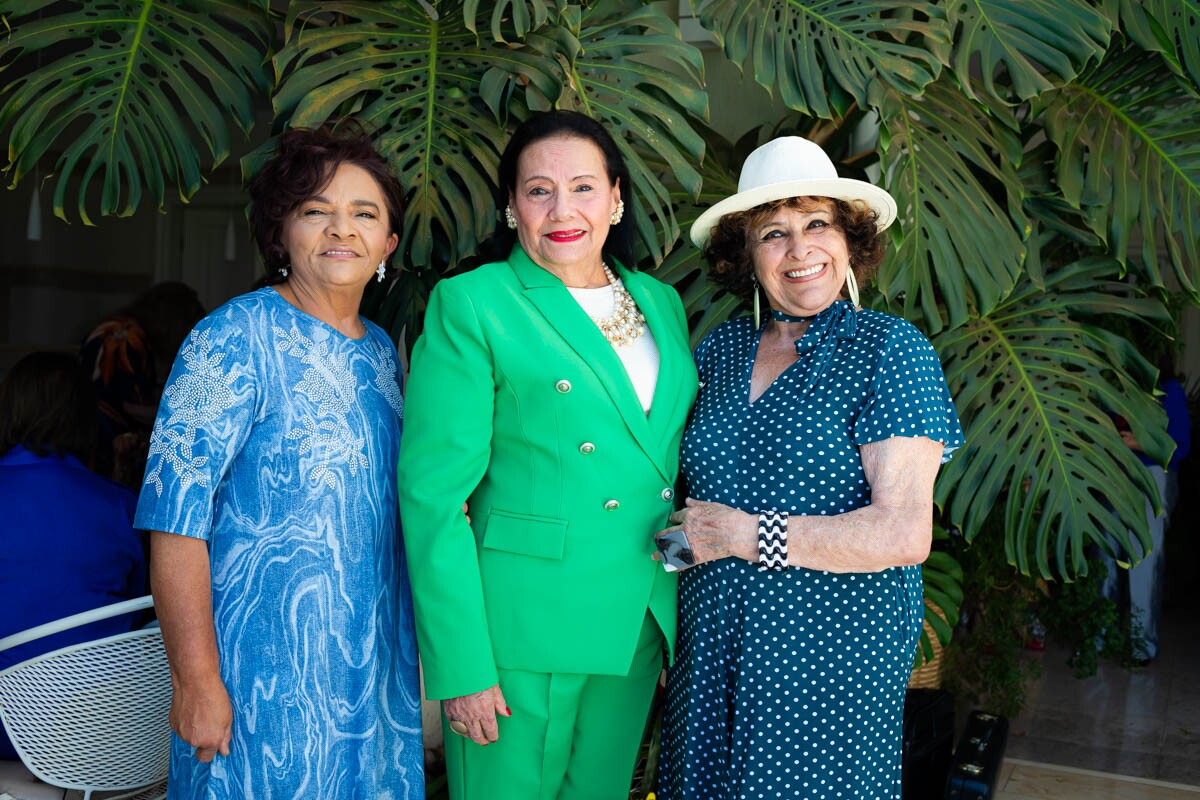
(943, 578)
(1078, 615)
(1032, 387)
(821, 54)
(985, 663)
(1030, 46)
(1126, 135)
(128, 90)
(1163, 26)
(959, 250)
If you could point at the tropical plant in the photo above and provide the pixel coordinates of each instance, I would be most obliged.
(1044, 154)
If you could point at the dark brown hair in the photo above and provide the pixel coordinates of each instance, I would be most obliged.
(303, 164)
(729, 253)
(48, 406)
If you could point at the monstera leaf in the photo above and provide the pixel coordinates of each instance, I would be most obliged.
(1034, 388)
(510, 18)
(1035, 45)
(955, 244)
(1164, 26)
(127, 90)
(813, 50)
(706, 304)
(429, 89)
(943, 579)
(627, 67)
(1126, 134)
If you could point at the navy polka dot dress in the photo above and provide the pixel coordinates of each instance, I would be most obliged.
(791, 684)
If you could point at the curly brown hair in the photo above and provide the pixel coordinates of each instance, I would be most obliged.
(730, 262)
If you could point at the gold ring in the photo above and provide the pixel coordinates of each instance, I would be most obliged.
(458, 727)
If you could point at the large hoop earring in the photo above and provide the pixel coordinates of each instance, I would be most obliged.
(509, 218)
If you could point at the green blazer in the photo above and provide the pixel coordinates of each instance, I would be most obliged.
(518, 404)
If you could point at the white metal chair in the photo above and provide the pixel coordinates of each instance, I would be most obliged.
(92, 716)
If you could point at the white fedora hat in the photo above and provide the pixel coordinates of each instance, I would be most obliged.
(791, 166)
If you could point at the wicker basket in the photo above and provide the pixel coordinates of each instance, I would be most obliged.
(929, 674)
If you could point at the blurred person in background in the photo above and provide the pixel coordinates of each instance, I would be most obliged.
(67, 542)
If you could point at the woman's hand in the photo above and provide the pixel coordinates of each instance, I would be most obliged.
(203, 717)
(716, 531)
(478, 712)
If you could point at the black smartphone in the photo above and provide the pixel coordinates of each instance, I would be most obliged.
(675, 550)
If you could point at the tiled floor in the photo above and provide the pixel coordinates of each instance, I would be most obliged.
(1143, 724)
(1026, 780)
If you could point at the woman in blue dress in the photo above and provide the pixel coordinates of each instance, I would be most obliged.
(810, 460)
(277, 563)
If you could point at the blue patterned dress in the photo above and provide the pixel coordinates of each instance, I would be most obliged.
(791, 684)
(276, 441)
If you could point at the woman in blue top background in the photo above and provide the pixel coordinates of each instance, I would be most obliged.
(810, 460)
(67, 542)
(277, 564)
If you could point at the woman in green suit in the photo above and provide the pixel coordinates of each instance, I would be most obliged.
(549, 391)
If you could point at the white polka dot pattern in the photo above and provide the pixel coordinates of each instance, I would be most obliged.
(791, 684)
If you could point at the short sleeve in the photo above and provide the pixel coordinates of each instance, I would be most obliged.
(203, 420)
(908, 395)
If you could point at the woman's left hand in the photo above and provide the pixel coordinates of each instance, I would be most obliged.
(716, 531)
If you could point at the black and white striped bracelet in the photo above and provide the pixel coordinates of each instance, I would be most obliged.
(772, 540)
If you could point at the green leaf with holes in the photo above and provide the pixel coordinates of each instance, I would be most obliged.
(812, 51)
(1169, 27)
(959, 251)
(1126, 134)
(509, 20)
(1034, 386)
(433, 94)
(706, 304)
(127, 92)
(1030, 45)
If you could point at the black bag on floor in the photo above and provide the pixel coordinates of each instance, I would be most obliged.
(977, 760)
(928, 742)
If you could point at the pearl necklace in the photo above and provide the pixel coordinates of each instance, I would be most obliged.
(626, 323)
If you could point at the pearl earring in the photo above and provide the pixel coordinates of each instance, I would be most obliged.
(380, 271)
(509, 218)
(618, 212)
(283, 272)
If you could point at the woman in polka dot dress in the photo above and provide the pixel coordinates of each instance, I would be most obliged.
(810, 460)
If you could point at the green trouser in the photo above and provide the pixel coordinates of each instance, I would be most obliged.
(570, 736)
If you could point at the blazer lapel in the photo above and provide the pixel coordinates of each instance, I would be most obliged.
(552, 300)
(676, 386)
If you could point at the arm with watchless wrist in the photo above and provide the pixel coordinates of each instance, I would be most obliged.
(894, 530)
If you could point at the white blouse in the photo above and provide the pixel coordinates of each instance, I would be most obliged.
(640, 358)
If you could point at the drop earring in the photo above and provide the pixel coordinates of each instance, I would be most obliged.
(757, 308)
(283, 271)
(618, 212)
(852, 288)
(380, 272)
(509, 219)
